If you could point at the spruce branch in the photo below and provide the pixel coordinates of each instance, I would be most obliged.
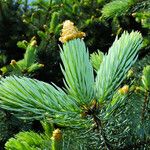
(28, 141)
(42, 100)
(121, 56)
(38, 99)
(116, 8)
(78, 71)
(137, 145)
(145, 106)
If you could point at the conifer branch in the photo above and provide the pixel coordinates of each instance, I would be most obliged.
(121, 56)
(101, 132)
(145, 106)
(78, 71)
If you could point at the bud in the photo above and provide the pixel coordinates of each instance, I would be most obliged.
(137, 89)
(124, 90)
(133, 14)
(24, 21)
(94, 105)
(13, 62)
(57, 140)
(45, 26)
(130, 73)
(33, 43)
(70, 32)
(41, 65)
(57, 135)
(23, 15)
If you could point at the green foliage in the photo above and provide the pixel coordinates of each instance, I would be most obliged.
(27, 65)
(47, 54)
(76, 139)
(56, 104)
(96, 59)
(116, 64)
(128, 15)
(131, 118)
(10, 125)
(117, 8)
(79, 77)
(138, 67)
(146, 78)
(54, 22)
(53, 13)
(31, 98)
(43, 19)
(143, 18)
(12, 28)
(28, 141)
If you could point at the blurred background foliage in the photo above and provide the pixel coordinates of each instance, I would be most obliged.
(30, 30)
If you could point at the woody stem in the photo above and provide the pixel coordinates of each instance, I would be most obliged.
(101, 132)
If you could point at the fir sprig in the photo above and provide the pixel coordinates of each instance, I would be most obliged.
(41, 100)
(120, 58)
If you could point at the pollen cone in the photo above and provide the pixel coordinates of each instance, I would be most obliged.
(70, 32)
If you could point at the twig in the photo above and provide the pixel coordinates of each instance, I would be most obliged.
(101, 132)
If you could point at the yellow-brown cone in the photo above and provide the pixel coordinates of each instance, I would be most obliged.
(57, 135)
(70, 32)
(13, 62)
(124, 89)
